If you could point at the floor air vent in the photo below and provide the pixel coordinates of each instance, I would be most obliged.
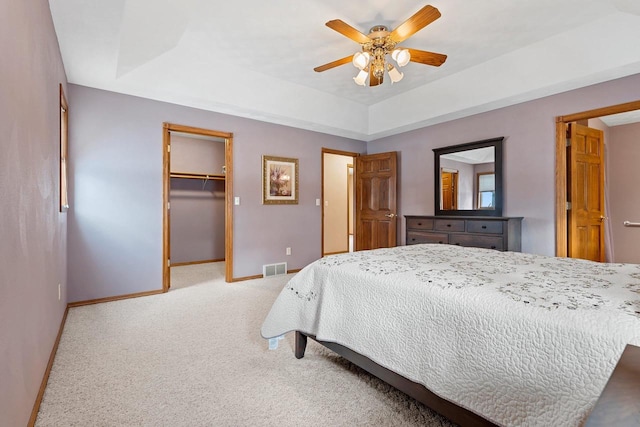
(274, 269)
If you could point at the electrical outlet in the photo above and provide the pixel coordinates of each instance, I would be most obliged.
(288, 251)
(59, 291)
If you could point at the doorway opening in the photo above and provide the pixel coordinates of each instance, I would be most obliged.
(338, 205)
(590, 216)
(198, 167)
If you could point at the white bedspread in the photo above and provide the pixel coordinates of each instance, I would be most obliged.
(523, 340)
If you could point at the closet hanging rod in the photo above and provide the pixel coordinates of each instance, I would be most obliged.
(631, 224)
(196, 175)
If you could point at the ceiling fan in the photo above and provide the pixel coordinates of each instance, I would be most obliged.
(381, 42)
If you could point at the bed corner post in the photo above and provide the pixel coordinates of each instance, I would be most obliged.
(300, 345)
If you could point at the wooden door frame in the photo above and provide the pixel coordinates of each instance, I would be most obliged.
(228, 195)
(561, 164)
(351, 203)
(340, 153)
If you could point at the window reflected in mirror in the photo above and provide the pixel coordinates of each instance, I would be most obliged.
(486, 184)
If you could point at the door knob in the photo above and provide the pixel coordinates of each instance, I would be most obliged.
(391, 215)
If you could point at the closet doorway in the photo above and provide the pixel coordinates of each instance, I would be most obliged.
(197, 195)
(612, 207)
(338, 206)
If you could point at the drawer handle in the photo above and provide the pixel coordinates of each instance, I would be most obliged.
(448, 225)
(413, 240)
(457, 244)
(493, 247)
(440, 242)
(484, 226)
(419, 223)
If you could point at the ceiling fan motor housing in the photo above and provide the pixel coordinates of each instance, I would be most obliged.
(379, 46)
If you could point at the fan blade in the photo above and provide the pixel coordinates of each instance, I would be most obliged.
(418, 21)
(347, 31)
(428, 58)
(333, 64)
(373, 80)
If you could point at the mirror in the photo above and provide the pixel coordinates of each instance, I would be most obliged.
(468, 178)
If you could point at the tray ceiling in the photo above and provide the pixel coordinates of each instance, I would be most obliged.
(255, 59)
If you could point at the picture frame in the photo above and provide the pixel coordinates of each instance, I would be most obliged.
(279, 180)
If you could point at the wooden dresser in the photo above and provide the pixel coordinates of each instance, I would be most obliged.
(500, 233)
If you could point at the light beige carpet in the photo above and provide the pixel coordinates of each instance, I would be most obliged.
(194, 357)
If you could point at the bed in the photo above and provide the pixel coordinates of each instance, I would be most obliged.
(482, 336)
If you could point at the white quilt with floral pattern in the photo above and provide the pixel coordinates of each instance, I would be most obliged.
(521, 339)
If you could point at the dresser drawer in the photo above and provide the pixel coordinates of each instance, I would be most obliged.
(491, 227)
(477, 241)
(416, 237)
(419, 224)
(449, 224)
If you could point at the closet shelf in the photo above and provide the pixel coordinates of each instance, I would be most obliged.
(196, 175)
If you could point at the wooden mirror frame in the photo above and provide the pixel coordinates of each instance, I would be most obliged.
(496, 143)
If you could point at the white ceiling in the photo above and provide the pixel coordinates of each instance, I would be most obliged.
(621, 118)
(255, 59)
(472, 157)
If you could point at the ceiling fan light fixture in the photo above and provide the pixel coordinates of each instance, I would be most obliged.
(380, 52)
(401, 56)
(361, 60)
(361, 78)
(394, 74)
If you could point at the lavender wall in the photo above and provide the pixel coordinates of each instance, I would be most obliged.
(115, 231)
(529, 155)
(197, 155)
(197, 220)
(33, 244)
(624, 178)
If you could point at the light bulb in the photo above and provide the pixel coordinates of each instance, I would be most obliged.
(361, 77)
(401, 56)
(361, 60)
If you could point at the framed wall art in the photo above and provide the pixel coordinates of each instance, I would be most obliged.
(279, 180)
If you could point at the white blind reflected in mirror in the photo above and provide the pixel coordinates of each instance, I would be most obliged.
(486, 190)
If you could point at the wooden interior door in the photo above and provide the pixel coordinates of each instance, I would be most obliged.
(376, 218)
(585, 188)
(449, 190)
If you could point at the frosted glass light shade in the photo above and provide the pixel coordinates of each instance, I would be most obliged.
(401, 56)
(361, 77)
(360, 60)
(395, 75)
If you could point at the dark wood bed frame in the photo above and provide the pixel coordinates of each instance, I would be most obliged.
(619, 403)
(453, 412)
